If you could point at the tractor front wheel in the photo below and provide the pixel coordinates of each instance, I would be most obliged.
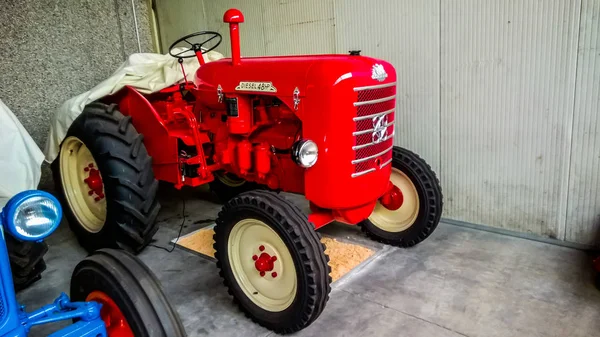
(272, 261)
(421, 208)
(133, 301)
(105, 178)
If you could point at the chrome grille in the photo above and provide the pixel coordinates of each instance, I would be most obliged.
(375, 107)
(365, 139)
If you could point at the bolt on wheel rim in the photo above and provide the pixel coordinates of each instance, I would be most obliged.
(82, 184)
(114, 320)
(405, 216)
(262, 265)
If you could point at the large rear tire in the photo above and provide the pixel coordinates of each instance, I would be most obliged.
(131, 296)
(272, 261)
(104, 176)
(421, 209)
(26, 261)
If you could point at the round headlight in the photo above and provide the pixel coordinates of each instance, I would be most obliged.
(305, 153)
(32, 215)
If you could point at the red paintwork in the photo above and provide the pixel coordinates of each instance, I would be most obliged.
(115, 321)
(393, 198)
(196, 130)
(94, 182)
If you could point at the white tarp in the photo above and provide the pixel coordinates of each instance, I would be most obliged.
(146, 72)
(20, 157)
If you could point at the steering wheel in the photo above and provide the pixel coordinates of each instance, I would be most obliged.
(192, 46)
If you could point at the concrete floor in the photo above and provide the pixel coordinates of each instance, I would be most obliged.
(459, 282)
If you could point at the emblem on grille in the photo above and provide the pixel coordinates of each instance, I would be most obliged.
(379, 128)
(378, 73)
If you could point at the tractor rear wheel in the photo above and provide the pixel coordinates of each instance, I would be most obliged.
(421, 209)
(26, 261)
(228, 185)
(104, 176)
(132, 298)
(272, 261)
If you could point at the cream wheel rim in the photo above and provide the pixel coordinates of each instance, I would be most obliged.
(404, 217)
(228, 180)
(76, 165)
(251, 241)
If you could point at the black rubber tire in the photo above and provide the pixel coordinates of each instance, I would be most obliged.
(129, 183)
(26, 261)
(308, 253)
(430, 196)
(133, 287)
(225, 192)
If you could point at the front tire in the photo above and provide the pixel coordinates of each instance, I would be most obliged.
(104, 176)
(134, 303)
(421, 210)
(272, 261)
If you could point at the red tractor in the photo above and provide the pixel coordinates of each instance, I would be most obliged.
(322, 126)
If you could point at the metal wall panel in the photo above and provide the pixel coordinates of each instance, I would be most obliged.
(177, 18)
(294, 27)
(277, 27)
(406, 33)
(508, 76)
(251, 31)
(583, 216)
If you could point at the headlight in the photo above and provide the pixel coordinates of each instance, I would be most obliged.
(305, 153)
(31, 215)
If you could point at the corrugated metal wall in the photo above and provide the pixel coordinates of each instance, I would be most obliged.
(508, 78)
(583, 211)
(501, 97)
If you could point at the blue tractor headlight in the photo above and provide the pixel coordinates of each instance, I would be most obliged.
(31, 215)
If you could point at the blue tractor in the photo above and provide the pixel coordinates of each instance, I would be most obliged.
(113, 294)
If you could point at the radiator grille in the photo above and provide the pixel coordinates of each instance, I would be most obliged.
(375, 108)
(369, 109)
(369, 95)
(367, 138)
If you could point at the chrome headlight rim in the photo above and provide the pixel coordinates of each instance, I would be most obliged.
(297, 152)
(10, 212)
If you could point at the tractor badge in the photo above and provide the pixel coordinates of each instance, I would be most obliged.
(378, 73)
(379, 128)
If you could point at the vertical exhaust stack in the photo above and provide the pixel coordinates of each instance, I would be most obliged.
(234, 17)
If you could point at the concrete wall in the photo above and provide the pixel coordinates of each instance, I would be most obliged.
(501, 97)
(51, 50)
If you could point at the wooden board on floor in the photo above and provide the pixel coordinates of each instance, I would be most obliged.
(343, 256)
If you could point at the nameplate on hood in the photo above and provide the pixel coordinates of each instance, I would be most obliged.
(256, 86)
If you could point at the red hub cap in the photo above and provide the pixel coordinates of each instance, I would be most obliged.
(393, 198)
(116, 324)
(94, 182)
(264, 263)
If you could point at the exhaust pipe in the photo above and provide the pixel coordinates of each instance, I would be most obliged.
(234, 17)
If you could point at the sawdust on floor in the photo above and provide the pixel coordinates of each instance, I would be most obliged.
(343, 257)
